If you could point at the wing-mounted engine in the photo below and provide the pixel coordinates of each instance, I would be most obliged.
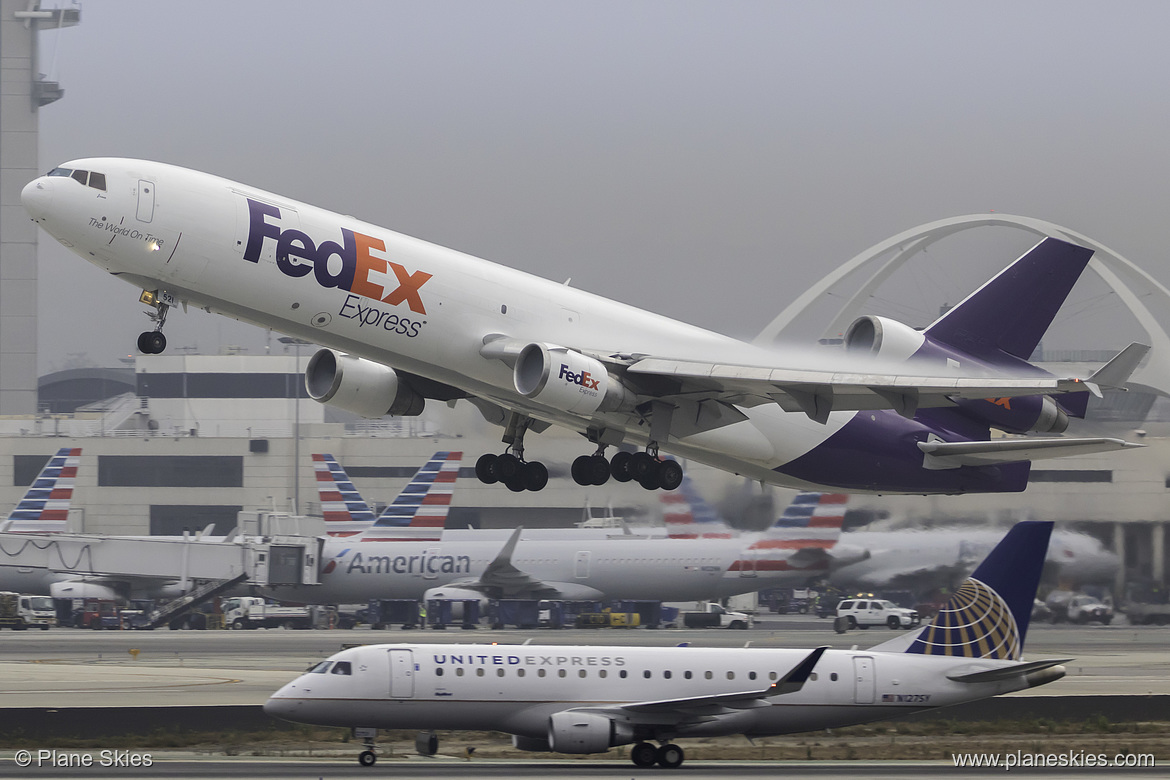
(360, 386)
(1023, 414)
(574, 731)
(568, 380)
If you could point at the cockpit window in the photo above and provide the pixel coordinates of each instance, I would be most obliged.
(321, 668)
(61, 172)
(342, 667)
(97, 180)
(81, 176)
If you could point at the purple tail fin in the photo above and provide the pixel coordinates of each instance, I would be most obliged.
(1010, 313)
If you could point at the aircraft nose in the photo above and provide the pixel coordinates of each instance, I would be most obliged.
(37, 197)
(279, 707)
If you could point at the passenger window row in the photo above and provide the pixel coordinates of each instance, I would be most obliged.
(603, 673)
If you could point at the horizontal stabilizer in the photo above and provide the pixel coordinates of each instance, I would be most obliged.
(1007, 672)
(952, 455)
(1117, 371)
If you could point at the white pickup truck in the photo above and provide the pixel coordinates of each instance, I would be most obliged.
(252, 612)
(714, 615)
(865, 612)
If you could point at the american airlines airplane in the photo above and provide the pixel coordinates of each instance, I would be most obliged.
(404, 321)
(574, 564)
(581, 699)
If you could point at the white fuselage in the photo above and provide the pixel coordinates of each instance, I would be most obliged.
(412, 305)
(516, 689)
(655, 569)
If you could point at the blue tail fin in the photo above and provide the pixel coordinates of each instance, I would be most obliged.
(425, 501)
(346, 512)
(45, 507)
(1009, 314)
(988, 615)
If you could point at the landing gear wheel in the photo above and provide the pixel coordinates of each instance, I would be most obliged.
(670, 475)
(535, 476)
(670, 756)
(641, 464)
(644, 755)
(598, 470)
(619, 466)
(367, 758)
(507, 467)
(152, 342)
(516, 484)
(651, 479)
(485, 469)
(580, 470)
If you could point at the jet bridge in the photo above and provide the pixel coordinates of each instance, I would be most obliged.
(163, 566)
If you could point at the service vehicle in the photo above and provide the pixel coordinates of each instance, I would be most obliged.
(19, 612)
(714, 615)
(242, 612)
(865, 612)
(1146, 603)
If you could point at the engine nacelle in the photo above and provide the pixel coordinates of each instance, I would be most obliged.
(530, 744)
(360, 386)
(568, 380)
(457, 594)
(1022, 414)
(78, 589)
(586, 732)
(883, 337)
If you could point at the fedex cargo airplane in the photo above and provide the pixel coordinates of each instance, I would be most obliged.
(404, 321)
(581, 699)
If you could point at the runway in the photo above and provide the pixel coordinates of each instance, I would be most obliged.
(78, 668)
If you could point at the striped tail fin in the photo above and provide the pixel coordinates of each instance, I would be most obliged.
(424, 503)
(988, 615)
(801, 538)
(687, 516)
(45, 507)
(346, 512)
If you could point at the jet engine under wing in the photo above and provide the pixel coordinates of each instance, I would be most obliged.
(819, 392)
(700, 708)
(502, 579)
(952, 455)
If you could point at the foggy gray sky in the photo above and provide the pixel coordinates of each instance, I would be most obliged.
(705, 160)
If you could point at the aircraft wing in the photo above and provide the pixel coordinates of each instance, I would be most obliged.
(952, 455)
(691, 709)
(819, 392)
(503, 578)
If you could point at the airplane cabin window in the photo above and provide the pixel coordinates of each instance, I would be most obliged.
(321, 668)
(459, 672)
(751, 675)
(342, 667)
(61, 172)
(499, 672)
(833, 677)
(97, 181)
(438, 671)
(479, 672)
(581, 672)
(646, 674)
(731, 675)
(666, 674)
(519, 672)
(600, 673)
(561, 672)
(688, 675)
(81, 176)
(708, 675)
(540, 672)
(772, 676)
(812, 676)
(623, 673)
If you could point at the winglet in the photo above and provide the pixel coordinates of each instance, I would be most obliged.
(1117, 371)
(798, 676)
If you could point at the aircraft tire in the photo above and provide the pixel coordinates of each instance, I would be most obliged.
(619, 466)
(152, 342)
(580, 470)
(644, 755)
(598, 470)
(535, 476)
(485, 469)
(516, 484)
(641, 464)
(670, 756)
(507, 467)
(367, 758)
(670, 475)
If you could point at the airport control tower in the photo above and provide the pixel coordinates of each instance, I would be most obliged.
(23, 91)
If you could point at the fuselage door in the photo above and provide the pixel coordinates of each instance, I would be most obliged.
(145, 200)
(428, 563)
(401, 674)
(864, 682)
(581, 569)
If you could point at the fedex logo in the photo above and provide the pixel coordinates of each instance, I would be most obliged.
(586, 381)
(297, 255)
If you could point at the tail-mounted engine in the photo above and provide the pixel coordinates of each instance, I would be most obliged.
(360, 386)
(568, 380)
(882, 337)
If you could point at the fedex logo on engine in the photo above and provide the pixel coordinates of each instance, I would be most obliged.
(584, 379)
(298, 255)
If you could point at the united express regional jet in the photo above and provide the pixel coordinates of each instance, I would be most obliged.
(404, 321)
(581, 699)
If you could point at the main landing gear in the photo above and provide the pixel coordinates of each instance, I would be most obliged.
(645, 755)
(511, 468)
(645, 468)
(153, 342)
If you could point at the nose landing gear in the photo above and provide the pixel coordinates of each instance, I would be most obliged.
(153, 342)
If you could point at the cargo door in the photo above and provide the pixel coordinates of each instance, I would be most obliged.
(401, 674)
(864, 684)
(145, 200)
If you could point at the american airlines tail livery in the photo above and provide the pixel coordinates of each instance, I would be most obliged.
(45, 507)
(581, 699)
(404, 321)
